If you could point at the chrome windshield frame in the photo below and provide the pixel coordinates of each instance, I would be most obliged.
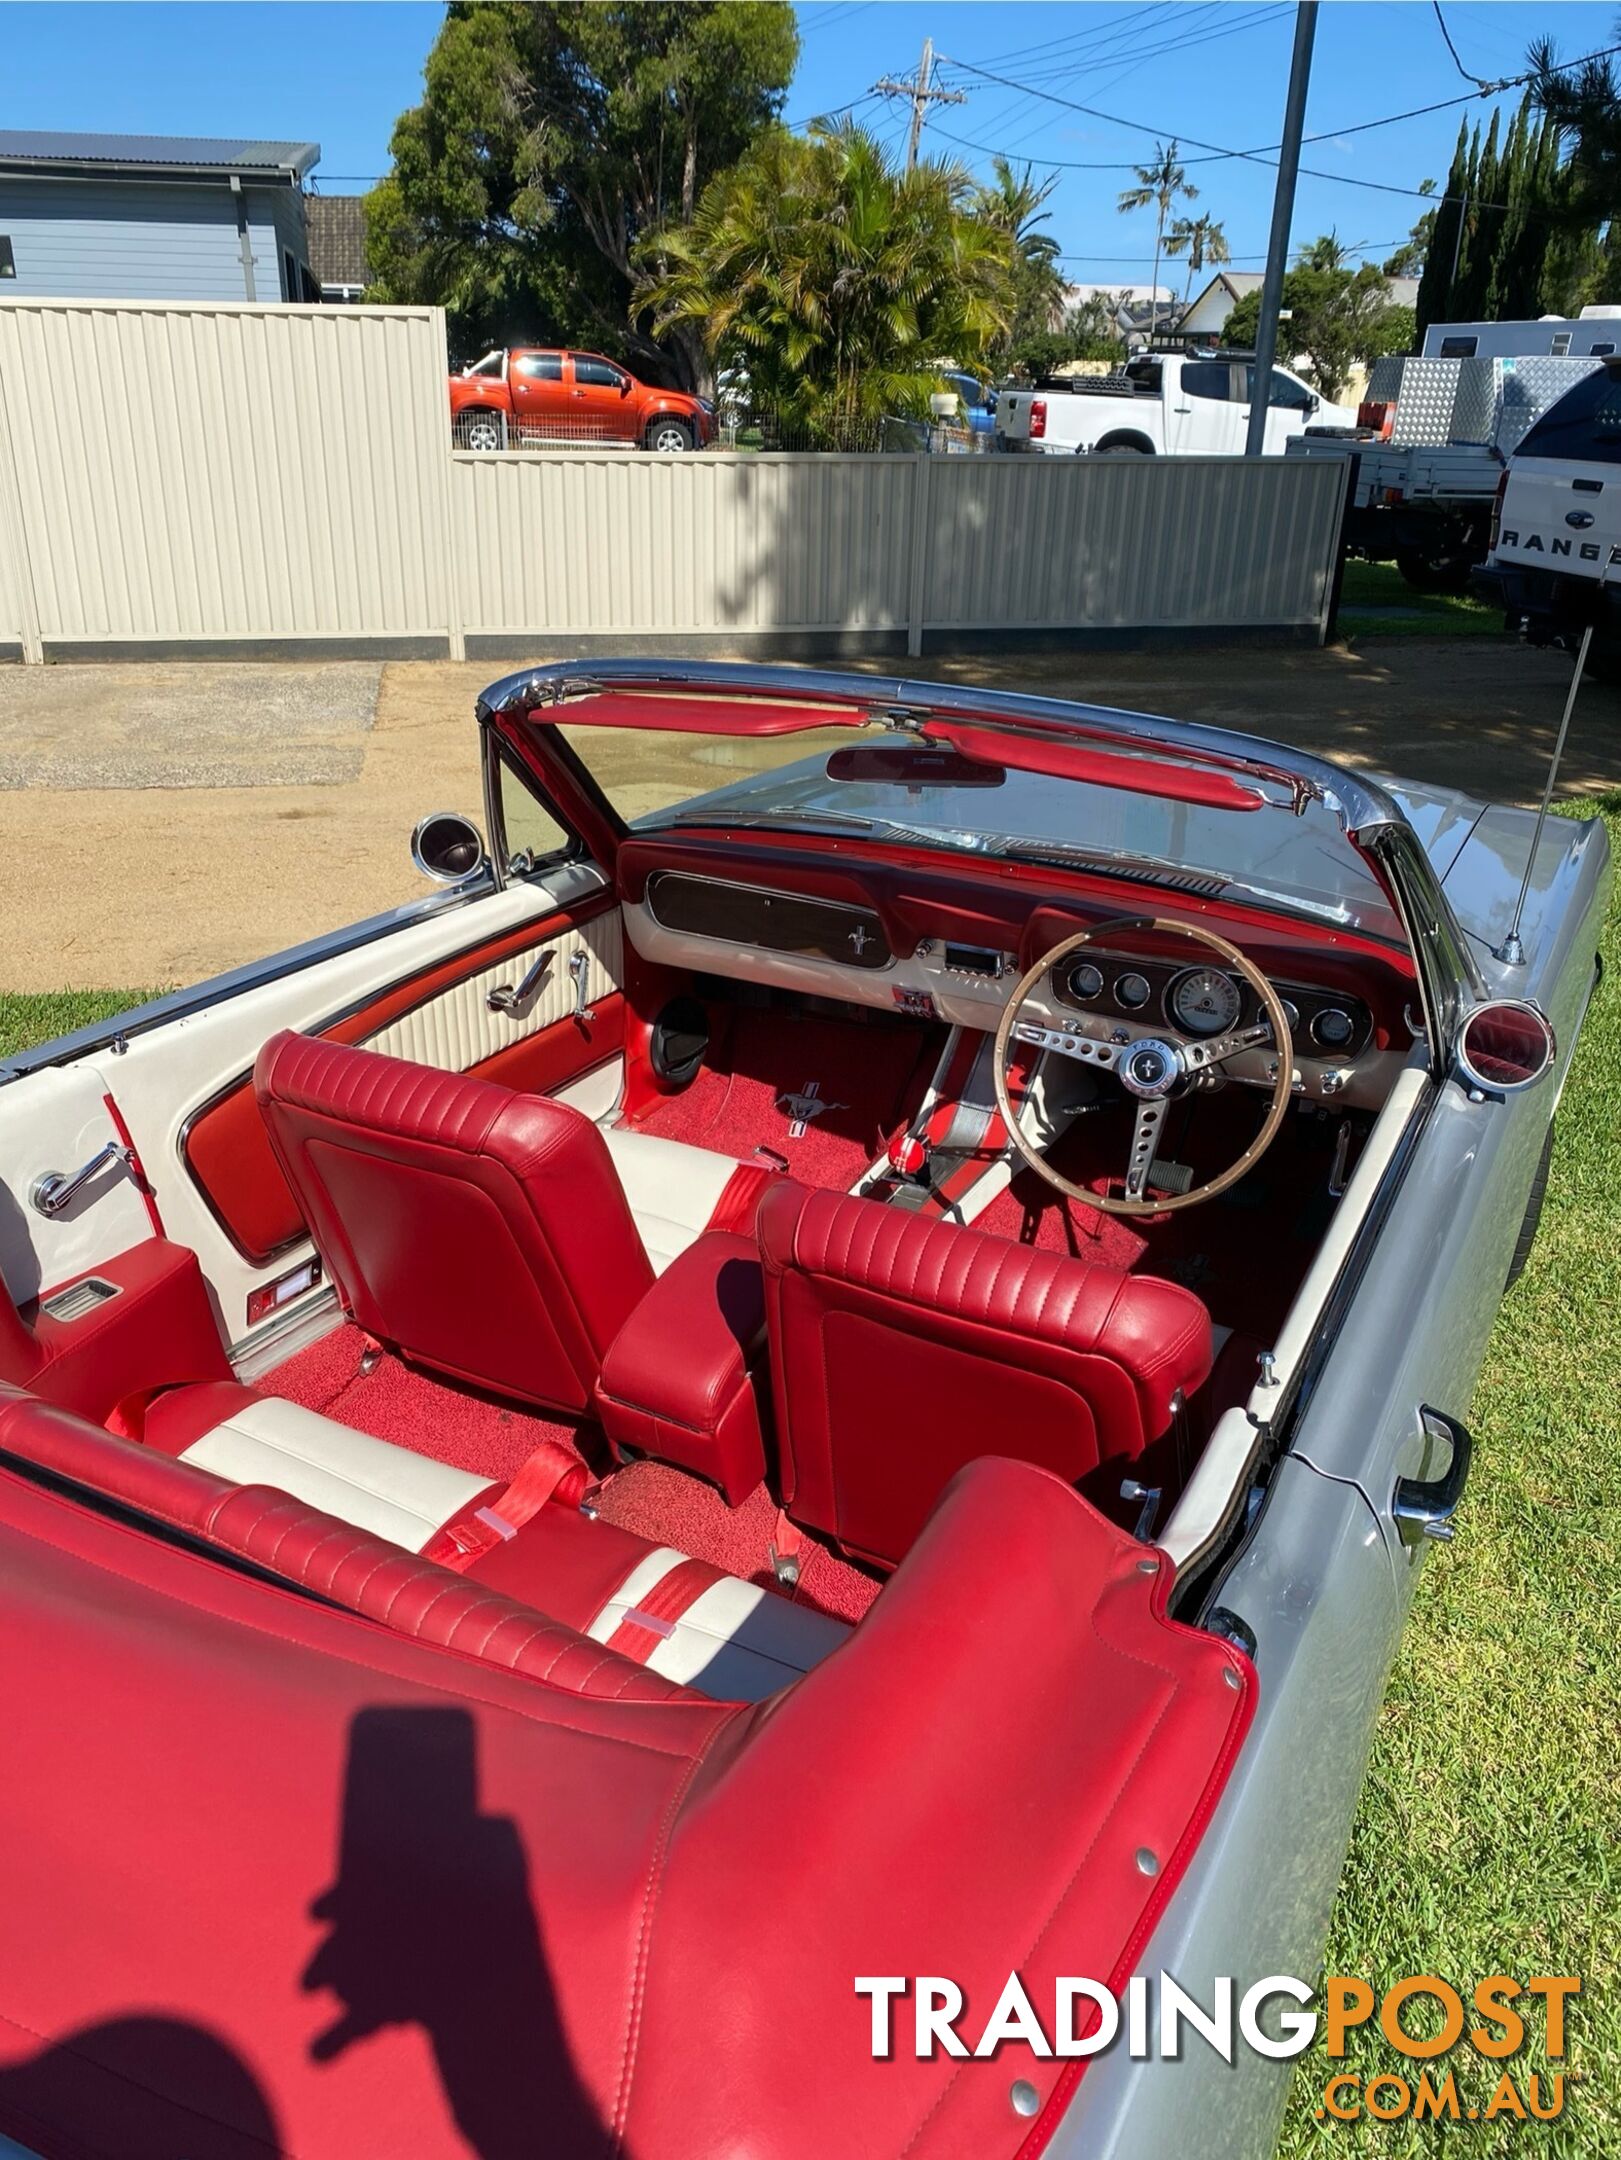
(1359, 803)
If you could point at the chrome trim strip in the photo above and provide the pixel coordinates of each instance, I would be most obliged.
(1359, 802)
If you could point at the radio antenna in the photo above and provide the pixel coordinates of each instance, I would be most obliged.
(1512, 950)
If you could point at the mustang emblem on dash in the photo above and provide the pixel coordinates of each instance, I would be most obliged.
(809, 1103)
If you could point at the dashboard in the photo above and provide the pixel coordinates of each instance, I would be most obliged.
(1203, 1000)
(949, 944)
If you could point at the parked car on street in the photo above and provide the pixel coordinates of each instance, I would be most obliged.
(550, 394)
(1192, 405)
(1556, 539)
(978, 400)
(838, 1360)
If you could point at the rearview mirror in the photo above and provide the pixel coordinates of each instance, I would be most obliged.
(447, 847)
(906, 765)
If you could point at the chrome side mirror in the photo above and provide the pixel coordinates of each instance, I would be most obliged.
(1505, 1045)
(447, 847)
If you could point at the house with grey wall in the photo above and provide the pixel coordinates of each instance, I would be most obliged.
(151, 217)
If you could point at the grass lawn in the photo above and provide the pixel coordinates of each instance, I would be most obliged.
(1377, 601)
(29, 1019)
(1489, 1835)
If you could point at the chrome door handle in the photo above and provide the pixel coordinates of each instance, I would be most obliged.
(1424, 1507)
(579, 967)
(52, 1192)
(504, 999)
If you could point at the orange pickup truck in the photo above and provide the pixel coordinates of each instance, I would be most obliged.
(552, 395)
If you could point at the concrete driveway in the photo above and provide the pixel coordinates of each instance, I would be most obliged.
(160, 824)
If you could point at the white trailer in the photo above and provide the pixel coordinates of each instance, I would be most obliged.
(1593, 334)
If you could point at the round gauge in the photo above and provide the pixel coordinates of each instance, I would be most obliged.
(1085, 981)
(1204, 1001)
(1133, 991)
(1333, 1028)
(1291, 1013)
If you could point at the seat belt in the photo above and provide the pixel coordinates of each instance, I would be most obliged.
(544, 1476)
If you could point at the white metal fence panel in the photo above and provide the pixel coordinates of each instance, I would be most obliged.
(214, 473)
(577, 543)
(211, 476)
(1128, 542)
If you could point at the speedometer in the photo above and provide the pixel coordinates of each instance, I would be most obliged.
(1204, 1001)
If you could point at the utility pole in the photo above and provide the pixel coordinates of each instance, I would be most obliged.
(1283, 212)
(921, 92)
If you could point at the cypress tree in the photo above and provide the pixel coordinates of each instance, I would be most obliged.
(1434, 286)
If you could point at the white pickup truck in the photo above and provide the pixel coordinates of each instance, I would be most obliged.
(1555, 560)
(1190, 406)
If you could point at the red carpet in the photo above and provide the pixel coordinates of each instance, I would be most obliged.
(673, 1509)
(395, 1402)
(872, 1076)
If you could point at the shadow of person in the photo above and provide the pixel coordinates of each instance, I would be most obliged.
(432, 1924)
(146, 2088)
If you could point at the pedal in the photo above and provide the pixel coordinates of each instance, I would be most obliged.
(1170, 1177)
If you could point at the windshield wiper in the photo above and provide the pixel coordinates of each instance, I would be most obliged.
(837, 821)
(850, 821)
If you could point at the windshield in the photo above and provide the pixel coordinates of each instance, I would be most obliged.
(660, 781)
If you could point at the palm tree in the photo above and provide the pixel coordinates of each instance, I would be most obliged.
(1164, 184)
(1327, 252)
(1203, 241)
(835, 279)
(1014, 204)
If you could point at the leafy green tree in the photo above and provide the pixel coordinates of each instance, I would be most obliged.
(549, 141)
(835, 280)
(1338, 318)
(1163, 184)
(1015, 203)
(1410, 258)
(1203, 241)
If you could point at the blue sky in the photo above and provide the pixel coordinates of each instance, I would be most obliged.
(338, 73)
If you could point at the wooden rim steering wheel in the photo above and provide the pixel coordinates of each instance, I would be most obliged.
(1150, 1067)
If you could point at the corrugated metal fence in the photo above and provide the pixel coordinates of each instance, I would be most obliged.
(204, 479)
(203, 475)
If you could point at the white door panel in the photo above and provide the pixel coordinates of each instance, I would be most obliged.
(57, 1121)
(170, 1072)
(460, 1028)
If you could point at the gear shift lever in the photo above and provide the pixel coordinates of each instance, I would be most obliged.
(909, 1160)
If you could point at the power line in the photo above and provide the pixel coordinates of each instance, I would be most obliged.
(1219, 151)
(1485, 88)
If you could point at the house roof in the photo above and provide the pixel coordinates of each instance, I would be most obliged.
(337, 236)
(1234, 283)
(184, 157)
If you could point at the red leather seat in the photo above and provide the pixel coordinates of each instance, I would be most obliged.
(902, 1348)
(478, 1231)
(346, 1565)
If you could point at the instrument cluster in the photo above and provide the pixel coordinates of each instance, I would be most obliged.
(1203, 1001)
